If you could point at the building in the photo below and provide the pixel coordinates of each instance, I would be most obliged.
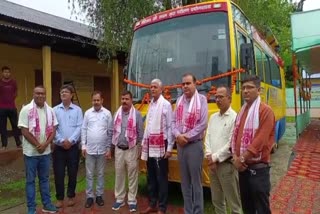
(43, 49)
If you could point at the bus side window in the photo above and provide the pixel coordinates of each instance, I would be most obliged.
(275, 74)
(259, 63)
(267, 68)
(241, 39)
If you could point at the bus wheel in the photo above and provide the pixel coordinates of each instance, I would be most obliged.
(274, 148)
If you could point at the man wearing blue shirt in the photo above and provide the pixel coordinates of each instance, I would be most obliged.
(66, 152)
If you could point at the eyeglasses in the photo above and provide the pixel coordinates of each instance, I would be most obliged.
(219, 97)
(65, 92)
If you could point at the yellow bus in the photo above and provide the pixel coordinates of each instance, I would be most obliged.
(212, 40)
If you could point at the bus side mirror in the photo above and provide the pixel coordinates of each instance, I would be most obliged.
(125, 68)
(125, 71)
(246, 57)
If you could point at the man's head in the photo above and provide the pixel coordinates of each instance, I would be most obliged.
(223, 98)
(39, 95)
(126, 101)
(6, 72)
(156, 88)
(66, 94)
(189, 85)
(250, 87)
(97, 100)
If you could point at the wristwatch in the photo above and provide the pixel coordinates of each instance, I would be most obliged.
(242, 160)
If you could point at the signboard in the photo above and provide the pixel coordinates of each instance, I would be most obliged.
(182, 11)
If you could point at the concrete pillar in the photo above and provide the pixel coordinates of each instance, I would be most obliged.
(46, 70)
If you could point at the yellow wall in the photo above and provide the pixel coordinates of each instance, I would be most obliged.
(24, 61)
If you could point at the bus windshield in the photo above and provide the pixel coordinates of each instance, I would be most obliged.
(197, 44)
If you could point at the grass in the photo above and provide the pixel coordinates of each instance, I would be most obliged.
(16, 190)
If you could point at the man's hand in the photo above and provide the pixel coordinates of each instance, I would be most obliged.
(139, 151)
(212, 164)
(108, 155)
(167, 155)
(84, 152)
(66, 144)
(42, 147)
(181, 140)
(237, 163)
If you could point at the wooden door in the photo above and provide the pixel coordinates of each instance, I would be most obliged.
(56, 82)
(103, 84)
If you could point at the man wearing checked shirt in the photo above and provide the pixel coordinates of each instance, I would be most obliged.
(66, 149)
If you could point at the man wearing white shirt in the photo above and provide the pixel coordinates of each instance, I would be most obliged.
(223, 175)
(96, 136)
(157, 145)
(38, 123)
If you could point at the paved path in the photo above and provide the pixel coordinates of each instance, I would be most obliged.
(299, 190)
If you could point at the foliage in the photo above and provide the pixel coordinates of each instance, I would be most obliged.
(113, 20)
(274, 14)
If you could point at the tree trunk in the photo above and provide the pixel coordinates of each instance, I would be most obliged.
(167, 4)
(187, 2)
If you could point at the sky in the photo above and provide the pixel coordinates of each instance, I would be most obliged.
(59, 8)
(310, 4)
(63, 9)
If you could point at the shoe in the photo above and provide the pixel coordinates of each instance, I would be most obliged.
(32, 211)
(19, 147)
(99, 201)
(59, 204)
(160, 212)
(117, 205)
(149, 210)
(89, 203)
(132, 208)
(71, 202)
(49, 209)
(4, 148)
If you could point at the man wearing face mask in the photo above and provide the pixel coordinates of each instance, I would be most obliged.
(157, 145)
(188, 126)
(96, 136)
(127, 137)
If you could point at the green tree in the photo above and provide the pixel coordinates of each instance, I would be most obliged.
(113, 21)
(273, 14)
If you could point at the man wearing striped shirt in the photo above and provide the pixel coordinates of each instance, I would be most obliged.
(96, 136)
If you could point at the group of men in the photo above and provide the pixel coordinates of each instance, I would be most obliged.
(237, 148)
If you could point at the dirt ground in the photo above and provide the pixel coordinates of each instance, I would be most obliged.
(13, 169)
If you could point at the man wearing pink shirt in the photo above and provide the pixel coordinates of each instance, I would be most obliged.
(8, 94)
(188, 126)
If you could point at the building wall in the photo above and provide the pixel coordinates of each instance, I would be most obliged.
(24, 61)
